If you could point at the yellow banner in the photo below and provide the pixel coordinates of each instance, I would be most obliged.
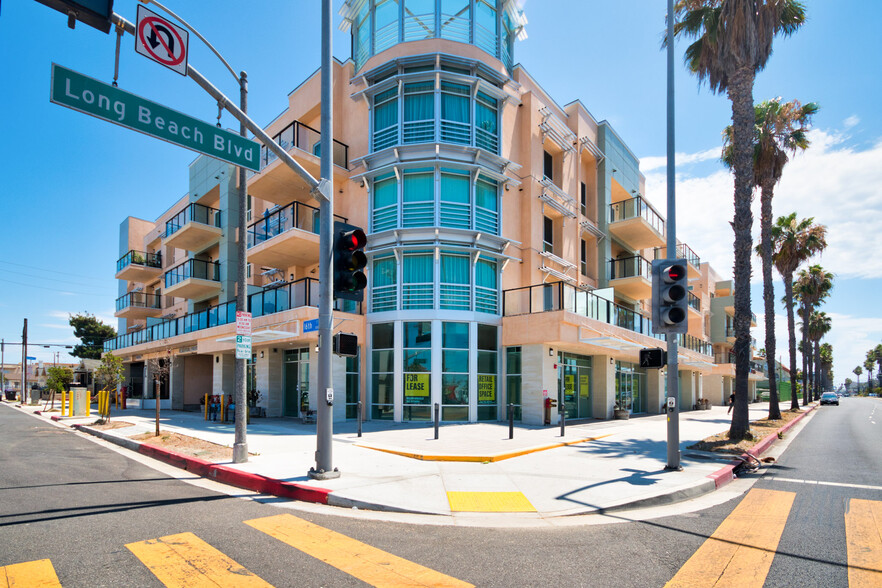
(486, 389)
(416, 385)
(584, 386)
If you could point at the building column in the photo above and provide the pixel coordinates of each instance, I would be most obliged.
(655, 391)
(603, 373)
(176, 376)
(538, 379)
(223, 379)
(687, 390)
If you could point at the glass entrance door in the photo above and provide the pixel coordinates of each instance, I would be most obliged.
(575, 385)
(296, 382)
(624, 393)
(630, 387)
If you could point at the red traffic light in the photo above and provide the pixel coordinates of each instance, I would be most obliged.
(674, 273)
(352, 240)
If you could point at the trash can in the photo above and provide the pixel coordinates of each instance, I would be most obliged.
(79, 399)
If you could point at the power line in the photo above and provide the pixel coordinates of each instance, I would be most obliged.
(51, 289)
(53, 271)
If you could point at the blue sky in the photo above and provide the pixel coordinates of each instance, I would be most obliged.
(71, 179)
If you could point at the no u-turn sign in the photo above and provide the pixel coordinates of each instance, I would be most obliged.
(158, 39)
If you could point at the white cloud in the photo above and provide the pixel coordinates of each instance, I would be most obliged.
(840, 186)
(851, 121)
(648, 164)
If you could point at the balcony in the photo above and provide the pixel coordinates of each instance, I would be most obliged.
(139, 266)
(286, 237)
(138, 305)
(631, 277)
(194, 279)
(693, 262)
(194, 229)
(637, 223)
(694, 303)
(275, 181)
(303, 292)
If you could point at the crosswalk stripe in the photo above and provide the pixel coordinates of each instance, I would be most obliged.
(369, 564)
(31, 574)
(863, 538)
(740, 551)
(186, 561)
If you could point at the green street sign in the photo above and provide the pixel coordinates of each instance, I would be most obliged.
(89, 96)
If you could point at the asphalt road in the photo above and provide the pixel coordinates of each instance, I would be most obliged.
(65, 498)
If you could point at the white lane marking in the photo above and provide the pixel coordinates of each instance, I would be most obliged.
(818, 483)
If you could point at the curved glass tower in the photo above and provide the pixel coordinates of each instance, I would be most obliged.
(434, 77)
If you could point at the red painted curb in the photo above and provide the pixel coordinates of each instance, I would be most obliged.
(55, 418)
(726, 474)
(234, 477)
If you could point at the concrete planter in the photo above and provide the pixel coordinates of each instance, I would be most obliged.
(621, 414)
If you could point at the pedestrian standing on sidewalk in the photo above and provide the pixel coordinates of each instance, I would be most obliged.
(731, 402)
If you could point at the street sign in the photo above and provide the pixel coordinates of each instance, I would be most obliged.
(89, 96)
(243, 323)
(159, 39)
(243, 347)
(310, 326)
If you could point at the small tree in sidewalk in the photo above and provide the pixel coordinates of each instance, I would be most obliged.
(160, 367)
(109, 374)
(59, 380)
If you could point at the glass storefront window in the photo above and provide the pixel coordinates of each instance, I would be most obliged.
(352, 386)
(455, 371)
(630, 387)
(513, 379)
(382, 371)
(417, 370)
(488, 389)
(576, 384)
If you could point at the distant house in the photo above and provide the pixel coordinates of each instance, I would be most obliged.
(84, 373)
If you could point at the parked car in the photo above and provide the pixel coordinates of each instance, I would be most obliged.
(829, 398)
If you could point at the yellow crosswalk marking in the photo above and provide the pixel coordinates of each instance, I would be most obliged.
(186, 561)
(863, 537)
(369, 564)
(32, 574)
(740, 551)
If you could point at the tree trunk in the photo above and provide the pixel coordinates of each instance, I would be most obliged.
(805, 354)
(769, 293)
(741, 94)
(156, 395)
(791, 333)
(818, 389)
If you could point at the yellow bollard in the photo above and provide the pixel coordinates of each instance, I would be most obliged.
(70, 405)
(222, 408)
(63, 399)
(206, 407)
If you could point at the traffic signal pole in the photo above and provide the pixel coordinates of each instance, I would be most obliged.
(324, 468)
(673, 413)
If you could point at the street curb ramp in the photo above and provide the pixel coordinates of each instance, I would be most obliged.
(218, 472)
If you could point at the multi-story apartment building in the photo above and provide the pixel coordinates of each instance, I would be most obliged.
(509, 243)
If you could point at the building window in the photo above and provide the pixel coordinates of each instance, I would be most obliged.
(486, 287)
(513, 379)
(488, 396)
(455, 19)
(455, 200)
(584, 198)
(455, 371)
(455, 291)
(384, 204)
(456, 117)
(486, 33)
(352, 386)
(583, 257)
(386, 15)
(417, 371)
(418, 209)
(382, 371)
(548, 165)
(384, 289)
(487, 207)
(547, 235)
(419, 19)
(418, 281)
(385, 115)
(419, 113)
(486, 123)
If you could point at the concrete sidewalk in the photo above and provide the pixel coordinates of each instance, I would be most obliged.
(599, 466)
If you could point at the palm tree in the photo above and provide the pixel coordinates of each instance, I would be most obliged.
(827, 365)
(733, 41)
(870, 365)
(779, 129)
(878, 352)
(812, 286)
(794, 242)
(858, 371)
(819, 325)
(848, 383)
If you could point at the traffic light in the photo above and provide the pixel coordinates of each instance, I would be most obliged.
(653, 358)
(95, 13)
(346, 344)
(669, 290)
(349, 261)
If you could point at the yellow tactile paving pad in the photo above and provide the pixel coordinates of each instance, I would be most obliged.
(31, 574)
(863, 536)
(489, 502)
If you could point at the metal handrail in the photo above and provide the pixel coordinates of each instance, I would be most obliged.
(139, 258)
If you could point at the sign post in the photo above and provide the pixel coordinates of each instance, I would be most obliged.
(90, 96)
(243, 335)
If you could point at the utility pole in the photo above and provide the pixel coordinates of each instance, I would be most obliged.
(24, 360)
(324, 468)
(240, 443)
(673, 370)
(2, 366)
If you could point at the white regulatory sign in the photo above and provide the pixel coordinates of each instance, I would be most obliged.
(159, 39)
(243, 347)
(243, 323)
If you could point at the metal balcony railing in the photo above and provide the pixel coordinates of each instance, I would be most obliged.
(139, 300)
(196, 213)
(296, 215)
(303, 292)
(683, 252)
(139, 258)
(303, 137)
(694, 301)
(193, 268)
(636, 207)
(630, 267)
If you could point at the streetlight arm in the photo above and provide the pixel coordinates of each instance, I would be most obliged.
(240, 116)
